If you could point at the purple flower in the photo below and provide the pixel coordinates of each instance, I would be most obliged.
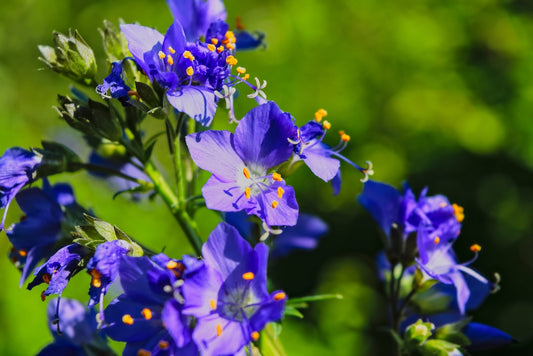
(35, 236)
(114, 84)
(74, 329)
(197, 15)
(59, 268)
(228, 294)
(17, 168)
(103, 267)
(148, 316)
(483, 337)
(242, 165)
(190, 72)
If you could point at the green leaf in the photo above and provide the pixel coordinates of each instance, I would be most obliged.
(438, 348)
(105, 229)
(292, 311)
(313, 298)
(147, 94)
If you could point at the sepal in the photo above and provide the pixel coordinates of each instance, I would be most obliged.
(56, 158)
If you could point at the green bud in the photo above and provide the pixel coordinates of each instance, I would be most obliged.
(417, 333)
(439, 348)
(70, 56)
(115, 44)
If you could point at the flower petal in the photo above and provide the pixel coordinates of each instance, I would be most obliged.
(141, 39)
(199, 103)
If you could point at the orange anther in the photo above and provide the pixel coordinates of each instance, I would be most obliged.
(277, 177)
(475, 248)
(247, 192)
(248, 276)
(279, 296)
(255, 336)
(280, 192)
(172, 264)
(246, 172)
(189, 71)
(275, 204)
(326, 125)
(127, 319)
(147, 313)
(219, 330)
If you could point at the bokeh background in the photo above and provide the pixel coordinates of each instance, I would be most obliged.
(438, 94)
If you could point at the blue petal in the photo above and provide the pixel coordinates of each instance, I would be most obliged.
(199, 103)
(141, 39)
(484, 337)
(175, 38)
(196, 15)
(382, 202)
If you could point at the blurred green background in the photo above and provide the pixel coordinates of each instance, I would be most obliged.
(438, 94)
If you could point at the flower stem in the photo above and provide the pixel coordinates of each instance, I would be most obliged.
(113, 172)
(188, 225)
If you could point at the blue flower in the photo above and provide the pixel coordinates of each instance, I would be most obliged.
(148, 316)
(228, 294)
(242, 165)
(35, 236)
(60, 267)
(483, 337)
(197, 15)
(190, 72)
(74, 329)
(103, 268)
(114, 84)
(17, 168)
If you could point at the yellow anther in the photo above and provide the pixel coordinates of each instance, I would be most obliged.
(345, 138)
(255, 336)
(46, 278)
(161, 54)
(214, 41)
(211, 47)
(190, 71)
(280, 192)
(22, 253)
(277, 177)
(458, 211)
(171, 50)
(163, 345)
(96, 282)
(326, 125)
(147, 313)
(320, 114)
(475, 248)
(220, 49)
(143, 352)
(229, 35)
(231, 60)
(279, 296)
(275, 204)
(246, 172)
(241, 70)
(230, 46)
(127, 319)
(188, 55)
(247, 192)
(246, 76)
(172, 264)
(437, 240)
(213, 304)
(219, 330)
(248, 276)
(341, 132)
(170, 60)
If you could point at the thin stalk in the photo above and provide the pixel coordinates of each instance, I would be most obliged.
(113, 172)
(178, 162)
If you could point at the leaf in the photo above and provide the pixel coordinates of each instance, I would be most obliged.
(292, 311)
(313, 298)
(105, 229)
(147, 94)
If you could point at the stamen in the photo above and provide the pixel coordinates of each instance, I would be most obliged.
(143, 352)
(280, 192)
(22, 253)
(255, 336)
(248, 276)
(219, 330)
(161, 54)
(127, 319)
(246, 172)
(341, 132)
(213, 304)
(279, 296)
(247, 192)
(43, 297)
(246, 76)
(96, 282)
(172, 264)
(458, 211)
(437, 240)
(46, 278)
(326, 125)
(241, 70)
(345, 138)
(214, 41)
(170, 60)
(475, 248)
(211, 47)
(231, 60)
(188, 55)
(230, 46)
(220, 49)
(163, 345)
(171, 50)
(147, 313)
(275, 204)
(277, 177)
(320, 114)
(190, 71)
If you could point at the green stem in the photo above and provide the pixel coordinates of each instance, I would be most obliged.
(178, 162)
(188, 225)
(113, 172)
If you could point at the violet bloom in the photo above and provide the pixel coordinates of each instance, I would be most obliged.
(103, 268)
(197, 15)
(57, 271)
(322, 159)
(114, 84)
(242, 165)
(74, 329)
(190, 72)
(36, 235)
(228, 294)
(148, 315)
(17, 168)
